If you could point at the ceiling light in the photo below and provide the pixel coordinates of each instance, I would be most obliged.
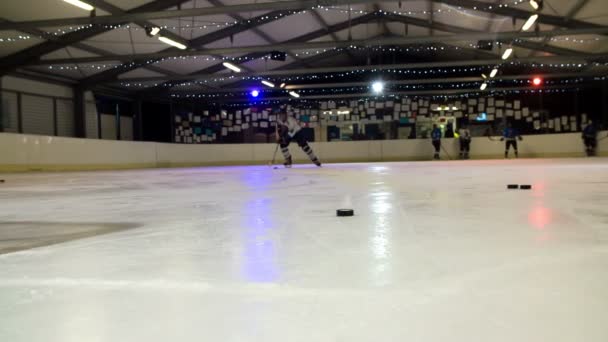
(484, 76)
(152, 31)
(530, 22)
(484, 85)
(255, 93)
(454, 108)
(172, 42)
(270, 84)
(535, 4)
(80, 4)
(494, 72)
(377, 87)
(537, 81)
(294, 94)
(507, 53)
(231, 67)
(282, 85)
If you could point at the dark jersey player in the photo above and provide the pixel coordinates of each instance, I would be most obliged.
(287, 130)
(590, 138)
(436, 139)
(510, 135)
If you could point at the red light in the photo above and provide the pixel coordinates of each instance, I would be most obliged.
(537, 81)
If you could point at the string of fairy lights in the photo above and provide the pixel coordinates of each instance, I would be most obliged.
(200, 25)
(359, 89)
(314, 104)
(436, 72)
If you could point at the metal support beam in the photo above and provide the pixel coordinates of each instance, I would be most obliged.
(571, 14)
(111, 74)
(303, 38)
(79, 113)
(329, 45)
(32, 54)
(137, 15)
(424, 65)
(458, 29)
(333, 34)
(518, 13)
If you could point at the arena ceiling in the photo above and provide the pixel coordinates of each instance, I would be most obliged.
(326, 44)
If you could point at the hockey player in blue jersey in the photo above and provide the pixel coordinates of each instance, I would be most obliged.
(436, 138)
(590, 138)
(511, 135)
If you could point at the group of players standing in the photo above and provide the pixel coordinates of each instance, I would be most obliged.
(510, 135)
(288, 129)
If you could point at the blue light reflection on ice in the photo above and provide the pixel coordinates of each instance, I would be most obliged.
(259, 254)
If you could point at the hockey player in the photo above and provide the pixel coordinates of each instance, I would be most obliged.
(288, 129)
(511, 136)
(436, 138)
(464, 136)
(590, 138)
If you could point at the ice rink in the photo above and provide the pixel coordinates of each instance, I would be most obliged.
(436, 251)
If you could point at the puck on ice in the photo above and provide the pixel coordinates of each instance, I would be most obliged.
(525, 187)
(345, 212)
(512, 186)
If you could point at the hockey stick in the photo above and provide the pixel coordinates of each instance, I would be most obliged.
(274, 156)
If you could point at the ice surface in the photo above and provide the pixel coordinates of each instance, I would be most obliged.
(437, 251)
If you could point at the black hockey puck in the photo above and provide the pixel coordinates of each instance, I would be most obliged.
(525, 187)
(512, 186)
(345, 212)
(1, 180)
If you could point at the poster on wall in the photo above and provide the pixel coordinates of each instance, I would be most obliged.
(324, 105)
(491, 102)
(471, 110)
(379, 105)
(536, 124)
(390, 104)
(414, 106)
(510, 112)
(564, 120)
(491, 110)
(518, 115)
(517, 104)
(536, 115)
(472, 102)
(480, 107)
(528, 119)
(500, 103)
(458, 114)
(508, 104)
(525, 111)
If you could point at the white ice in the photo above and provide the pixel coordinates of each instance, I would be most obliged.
(436, 251)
